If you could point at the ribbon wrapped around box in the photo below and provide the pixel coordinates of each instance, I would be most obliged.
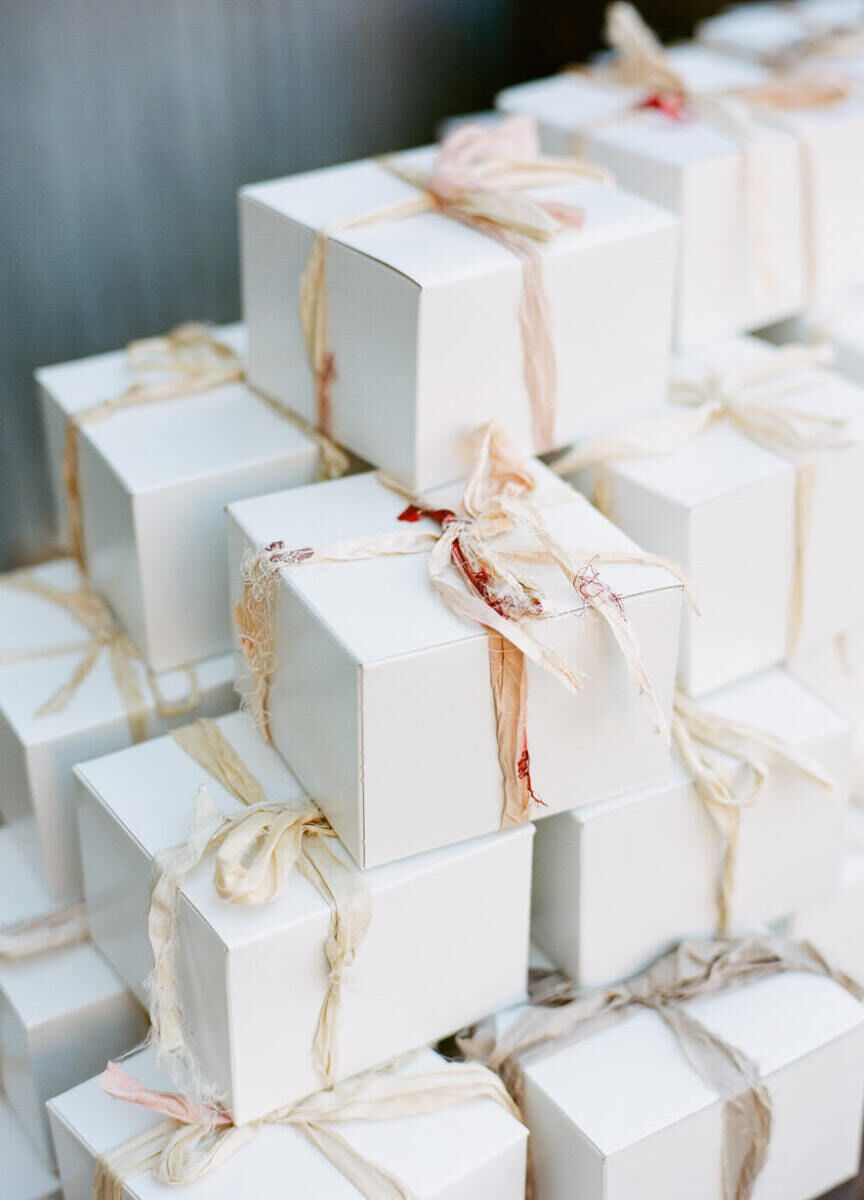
(788, 34)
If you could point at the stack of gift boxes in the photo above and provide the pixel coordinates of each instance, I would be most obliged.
(610, 700)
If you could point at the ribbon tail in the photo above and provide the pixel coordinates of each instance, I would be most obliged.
(370, 1179)
(509, 679)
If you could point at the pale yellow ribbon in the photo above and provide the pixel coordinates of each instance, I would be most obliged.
(255, 853)
(49, 931)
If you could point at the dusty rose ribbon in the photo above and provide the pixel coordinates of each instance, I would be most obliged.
(494, 590)
(49, 931)
(479, 178)
(193, 1141)
(561, 1014)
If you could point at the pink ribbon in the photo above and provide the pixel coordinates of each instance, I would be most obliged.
(115, 1082)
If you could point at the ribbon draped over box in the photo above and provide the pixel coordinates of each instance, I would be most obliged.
(49, 931)
(560, 1015)
(479, 177)
(494, 589)
(255, 852)
(193, 1140)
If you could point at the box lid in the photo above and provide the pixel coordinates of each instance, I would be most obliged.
(25, 1175)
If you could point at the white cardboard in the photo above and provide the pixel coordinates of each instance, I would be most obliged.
(38, 752)
(471, 1150)
(154, 481)
(423, 315)
(447, 943)
(840, 325)
(380, 688)
(619, 882)
(764, 32)
(25, 1175)
(622, 1113)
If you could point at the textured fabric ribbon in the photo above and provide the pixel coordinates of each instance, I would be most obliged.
(184, 362)
(88, 608)
(479, 178)
(561, 1014)
(49, 931)
(758, 401)
(493, 588)
(255, 852)
(191, 1142)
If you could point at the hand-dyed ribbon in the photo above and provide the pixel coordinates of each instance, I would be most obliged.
(758, 401)
(479, 178)
(191, 1142)
(88, 608)
(494, 590)
(49, 931)
(561, 1014)
(256, 851)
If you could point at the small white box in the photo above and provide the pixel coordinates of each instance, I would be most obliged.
(38, 752)
(379, 686)
(724, 509)
(154, 480)
(741, 262)
(778, 33)
(620, 882)
(238, 966)
(25, 1175)
(623, 1113)
(61, 1013)
(835, 671)
(423, 315)
(460, 1153)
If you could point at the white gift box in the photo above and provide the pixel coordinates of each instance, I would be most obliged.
(378, 683)
(237, 964)
(623, 1113)
(840, 325)
(724, 509)
(38, 752)
(470, 1150)
(154, 480)
(61, 1013)
(423, 315)
(619, 882)
(776, 32)
(835, 671)
(25, 1175)
(741, 261)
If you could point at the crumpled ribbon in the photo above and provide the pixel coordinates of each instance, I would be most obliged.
(186, 361)
(88, 608)
(49, 931)
(479, 178)
(494, 589)
(255, 852)
(193, 1141)
(561, 1015)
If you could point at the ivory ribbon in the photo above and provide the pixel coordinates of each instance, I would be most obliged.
(88, 608)
(49, 931)
(255, 852)
(479, 178)
(191, 1142)
(561, 1015)
(494, 590)
(184, 362)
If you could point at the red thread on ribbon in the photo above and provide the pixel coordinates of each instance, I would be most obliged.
(670, 104)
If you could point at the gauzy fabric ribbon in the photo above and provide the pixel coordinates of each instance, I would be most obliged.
(479, 178)
(758, 401)
(49, 931)
(255, 852)
(88, 608)
(561, 1015)
(193, 1141)
(493, 589)
(184, 362)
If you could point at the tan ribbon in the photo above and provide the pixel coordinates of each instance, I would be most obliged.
(88, 608)
(49, 931)
(191, 1142)
(561, 1015)
(184, 362)
(255, 853)
(494, 590)
(479, 178)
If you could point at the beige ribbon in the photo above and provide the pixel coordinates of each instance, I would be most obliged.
(88, 608)
(184, 362)
(191, 1143)
(561, 1015)
(49, 931)
(479, 178)
(494, 589)
(255, 853)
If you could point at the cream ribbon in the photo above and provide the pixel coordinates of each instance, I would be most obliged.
(494, 589)
(49, 931)
(88, 608)
(561, 1015)
(479, 178)
(191, 1142)
(185, 362)
(255, 853)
